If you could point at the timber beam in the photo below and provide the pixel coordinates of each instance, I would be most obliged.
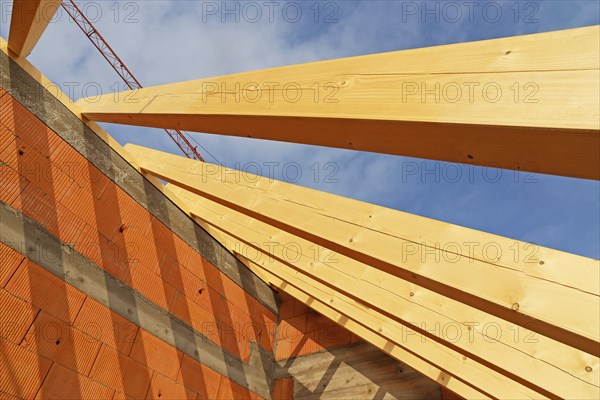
(28, 22)
(525, 103)
(565, 287)
(384, 304)
(561, 289)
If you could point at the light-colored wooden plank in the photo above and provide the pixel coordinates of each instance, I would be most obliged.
(545, 362)
(425, 366)
(28, 22)
(566, 313)
(444, 378)
(357, 372)
(454, 367)
(545, 118)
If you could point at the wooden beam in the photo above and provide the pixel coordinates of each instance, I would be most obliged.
(546, 363)
(444, 378)
(525, 103)
(446, 366)
(28, 21)
(525, 293)
(222, 218)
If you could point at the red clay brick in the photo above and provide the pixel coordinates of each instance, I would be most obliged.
(229, 390)
(316, 321)
(196, 265)
(37, 169)
(156, 354)
(28, 126)
(9, 261)
(13, 114)
(324, 339)
(136, 217)
(292, 342)
(217, 331)
(140, 249)
(121, 396)
(286, 309)
(121, 373)
(42, 207)
(162, 387)
(300, 308)
(8, 146)
(290, 331)
(196, 316)
(199, 378)
(265, 336)
(21, 372)
(86, 175)
(159, 233)
(60, 342)
(331, 336)
(6, 396)
(80, 201)
(283, 350)
(256, 310)
(184, 252)
(34, 284)
(63, 383)
(183, 280)
(355, 339)
(16, 316)
(70, 227)
(108, 215)
(39, 206)
(12, 185)
(100, 322)
(152, 286)
(110, 257)
(283, 389)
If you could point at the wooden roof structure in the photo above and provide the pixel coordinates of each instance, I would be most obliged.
(482, 315)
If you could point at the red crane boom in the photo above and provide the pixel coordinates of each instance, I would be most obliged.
(130, 80)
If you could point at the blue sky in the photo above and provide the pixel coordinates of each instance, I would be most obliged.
(169, 41)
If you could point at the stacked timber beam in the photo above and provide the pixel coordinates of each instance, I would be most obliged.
(499, 327)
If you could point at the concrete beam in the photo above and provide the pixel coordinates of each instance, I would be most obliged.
(34, 242)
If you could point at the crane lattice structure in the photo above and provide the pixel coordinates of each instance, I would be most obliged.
(125, 73)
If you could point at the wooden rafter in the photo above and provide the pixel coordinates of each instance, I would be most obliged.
(462, 371)
(525, 102)
(396, 253)
(234, 211)
(28, 21)
(384, 305)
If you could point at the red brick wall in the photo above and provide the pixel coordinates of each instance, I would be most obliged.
(44, 178)
(303, 331)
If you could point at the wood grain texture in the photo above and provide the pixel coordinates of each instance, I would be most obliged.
(28, 22)
(357, 372)
(400, 300)
(424, 366)
(519, 291)
(523, 103)
(259, 212)
(399, 306)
